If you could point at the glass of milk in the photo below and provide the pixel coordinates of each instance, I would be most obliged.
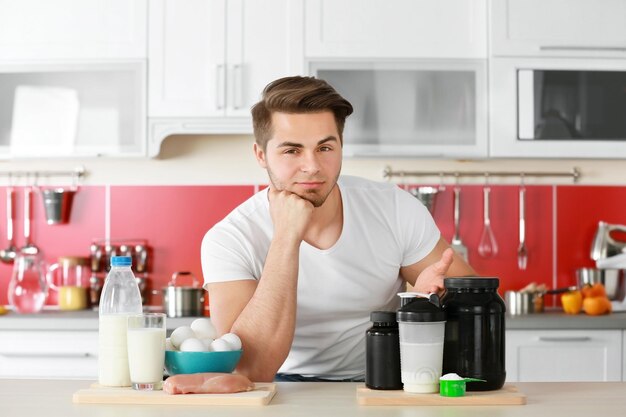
(421, 325)
(146, 350)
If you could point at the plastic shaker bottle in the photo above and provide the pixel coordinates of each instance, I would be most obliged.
(421, 323)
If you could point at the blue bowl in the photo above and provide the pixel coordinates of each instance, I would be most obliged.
(195, 362)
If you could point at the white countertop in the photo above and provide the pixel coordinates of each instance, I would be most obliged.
(81, 320)
(54, 319)
(53, 398)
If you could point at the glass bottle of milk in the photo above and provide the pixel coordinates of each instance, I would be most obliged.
(120, 298)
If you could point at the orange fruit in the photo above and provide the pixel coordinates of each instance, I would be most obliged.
(572, 302)
(595, 290)
(595, 306)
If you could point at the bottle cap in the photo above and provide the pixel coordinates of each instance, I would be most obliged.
(421, 309)
(383, 317)
(121, 261)
(463, 283)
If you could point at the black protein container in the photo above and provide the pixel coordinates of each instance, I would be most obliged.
(474, 340)
(382, 346)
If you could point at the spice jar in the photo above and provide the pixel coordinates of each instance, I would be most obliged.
(382, 346)
(474, 338)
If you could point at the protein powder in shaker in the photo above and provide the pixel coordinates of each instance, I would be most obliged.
(474, 340)
(382, 347)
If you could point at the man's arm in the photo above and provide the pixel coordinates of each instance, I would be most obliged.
(427, 275)
(263, 313)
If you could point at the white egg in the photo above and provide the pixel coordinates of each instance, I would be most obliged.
(233, 340)
(192, 345)
(207, 342)
(220, 345)
(204, 329)
(169, 345)
(179, 335)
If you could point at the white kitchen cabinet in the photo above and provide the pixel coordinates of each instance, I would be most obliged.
(416, 108)
(49, 354)
(108, 120)
(209, 60)
(72, 29)
(582, 28)
(563, 355)
(396, 29)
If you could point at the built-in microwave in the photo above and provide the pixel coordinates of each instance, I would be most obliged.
(430, 108)
(553, 108)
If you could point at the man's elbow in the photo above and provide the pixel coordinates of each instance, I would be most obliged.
(256, 375)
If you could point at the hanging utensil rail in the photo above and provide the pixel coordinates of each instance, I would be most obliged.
(77, 174)
(388, 172)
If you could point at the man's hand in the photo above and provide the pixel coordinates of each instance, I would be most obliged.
(290, 214)
(431, 278)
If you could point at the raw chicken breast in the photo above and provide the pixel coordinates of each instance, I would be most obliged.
(207, 383)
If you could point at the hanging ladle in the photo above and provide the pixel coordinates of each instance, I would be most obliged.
(8, 255)
(522, 251)
(488, 246)
(29, 247)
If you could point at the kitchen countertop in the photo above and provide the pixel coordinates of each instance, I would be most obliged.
(54, 319)
(53, 398)
(88, 320)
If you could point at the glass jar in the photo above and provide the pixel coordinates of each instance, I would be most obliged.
(382, 347)
(474, 339)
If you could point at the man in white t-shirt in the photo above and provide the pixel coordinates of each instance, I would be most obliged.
(296, 270)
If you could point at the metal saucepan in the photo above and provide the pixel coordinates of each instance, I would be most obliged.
(529, 302)
(183, 301)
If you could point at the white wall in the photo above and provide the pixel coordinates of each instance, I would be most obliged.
(186, 160)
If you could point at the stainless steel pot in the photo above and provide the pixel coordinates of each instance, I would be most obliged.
(183, 301)
(529, 302)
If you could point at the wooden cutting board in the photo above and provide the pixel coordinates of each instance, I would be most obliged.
(261, 395)
(508, 395)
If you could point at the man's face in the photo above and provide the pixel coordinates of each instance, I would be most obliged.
(304, 154)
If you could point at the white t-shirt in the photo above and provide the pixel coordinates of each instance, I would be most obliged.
(384, 228)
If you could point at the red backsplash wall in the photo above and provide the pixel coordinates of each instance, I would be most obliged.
(560, 224)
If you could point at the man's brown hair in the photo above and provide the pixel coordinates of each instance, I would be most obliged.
(297, 95)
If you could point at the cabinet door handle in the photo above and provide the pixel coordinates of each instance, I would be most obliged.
(564, 339)
(220, 83)
(47, 355)
(238, 86)
(582, 48)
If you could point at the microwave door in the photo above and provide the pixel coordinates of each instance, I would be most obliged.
(571, 105)
(543, 108)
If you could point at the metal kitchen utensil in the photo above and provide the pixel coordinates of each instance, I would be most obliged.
(8, 255)
(183, 301)
(29, 247)
(456, 243)
(427, 195)
(58, 205)
(488, 245)
(529, 302)
(522, 251)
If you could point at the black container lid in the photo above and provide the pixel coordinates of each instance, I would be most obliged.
(383, 316)
(421, 310)
(469, 282)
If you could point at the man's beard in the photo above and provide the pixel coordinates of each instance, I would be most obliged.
(312, 196)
